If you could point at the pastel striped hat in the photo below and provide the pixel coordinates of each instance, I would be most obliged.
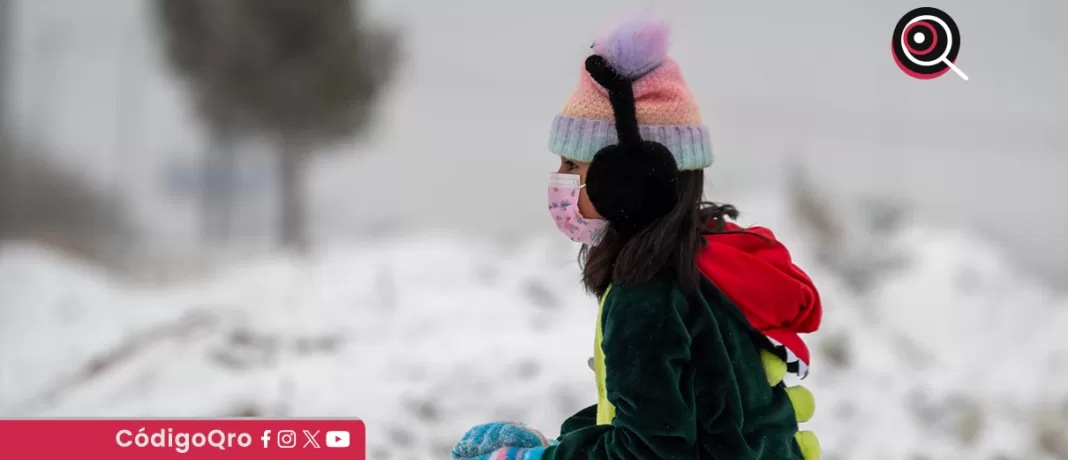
(666, 110)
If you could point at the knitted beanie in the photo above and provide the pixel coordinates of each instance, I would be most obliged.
(666, 110)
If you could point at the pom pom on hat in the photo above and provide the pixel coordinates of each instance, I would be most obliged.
(636, 45)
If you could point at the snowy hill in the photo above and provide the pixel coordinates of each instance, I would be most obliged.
(950, 357)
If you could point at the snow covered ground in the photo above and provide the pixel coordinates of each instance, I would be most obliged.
(950, 357)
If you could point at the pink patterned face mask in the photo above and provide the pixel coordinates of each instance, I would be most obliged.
(564, 192)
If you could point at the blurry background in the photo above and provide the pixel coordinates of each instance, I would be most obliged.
(282, 208)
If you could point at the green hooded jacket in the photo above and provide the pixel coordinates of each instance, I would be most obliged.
(683, 377)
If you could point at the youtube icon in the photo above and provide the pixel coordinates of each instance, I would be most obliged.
(337, 439)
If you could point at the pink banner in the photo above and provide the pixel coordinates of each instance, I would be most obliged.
(231, 439)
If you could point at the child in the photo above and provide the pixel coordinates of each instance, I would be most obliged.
(699, 318)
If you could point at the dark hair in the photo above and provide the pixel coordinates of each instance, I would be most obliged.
(667, 247)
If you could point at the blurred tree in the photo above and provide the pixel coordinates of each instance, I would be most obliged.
(304, 74)
(7, 202)
(57, 207)
(6, 29)
(41, 201)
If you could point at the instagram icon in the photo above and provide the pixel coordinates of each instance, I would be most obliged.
(287, 439)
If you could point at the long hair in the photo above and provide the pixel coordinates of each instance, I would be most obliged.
(667, 247)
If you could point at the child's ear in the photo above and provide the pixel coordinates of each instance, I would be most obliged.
(633, 185)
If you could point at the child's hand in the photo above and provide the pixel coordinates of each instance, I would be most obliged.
(483, 440)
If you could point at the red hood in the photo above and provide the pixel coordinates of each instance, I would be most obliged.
(758, 276)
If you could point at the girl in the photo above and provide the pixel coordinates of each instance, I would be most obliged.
(699, 318)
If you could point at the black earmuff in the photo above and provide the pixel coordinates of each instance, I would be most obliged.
(634, 182)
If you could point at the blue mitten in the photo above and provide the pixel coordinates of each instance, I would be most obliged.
(483, 440)
(514, 453)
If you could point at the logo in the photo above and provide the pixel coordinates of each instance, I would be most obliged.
(337, 439)
(287, 439)
(926, 43)
(310, 439)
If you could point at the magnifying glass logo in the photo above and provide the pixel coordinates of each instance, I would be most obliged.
(926, 43)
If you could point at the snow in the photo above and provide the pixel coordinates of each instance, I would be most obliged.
(418, 336)
(952, 356)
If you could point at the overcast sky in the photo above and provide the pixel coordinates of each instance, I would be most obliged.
(778, 81)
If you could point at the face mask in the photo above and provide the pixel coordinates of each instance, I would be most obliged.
(563, 205)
